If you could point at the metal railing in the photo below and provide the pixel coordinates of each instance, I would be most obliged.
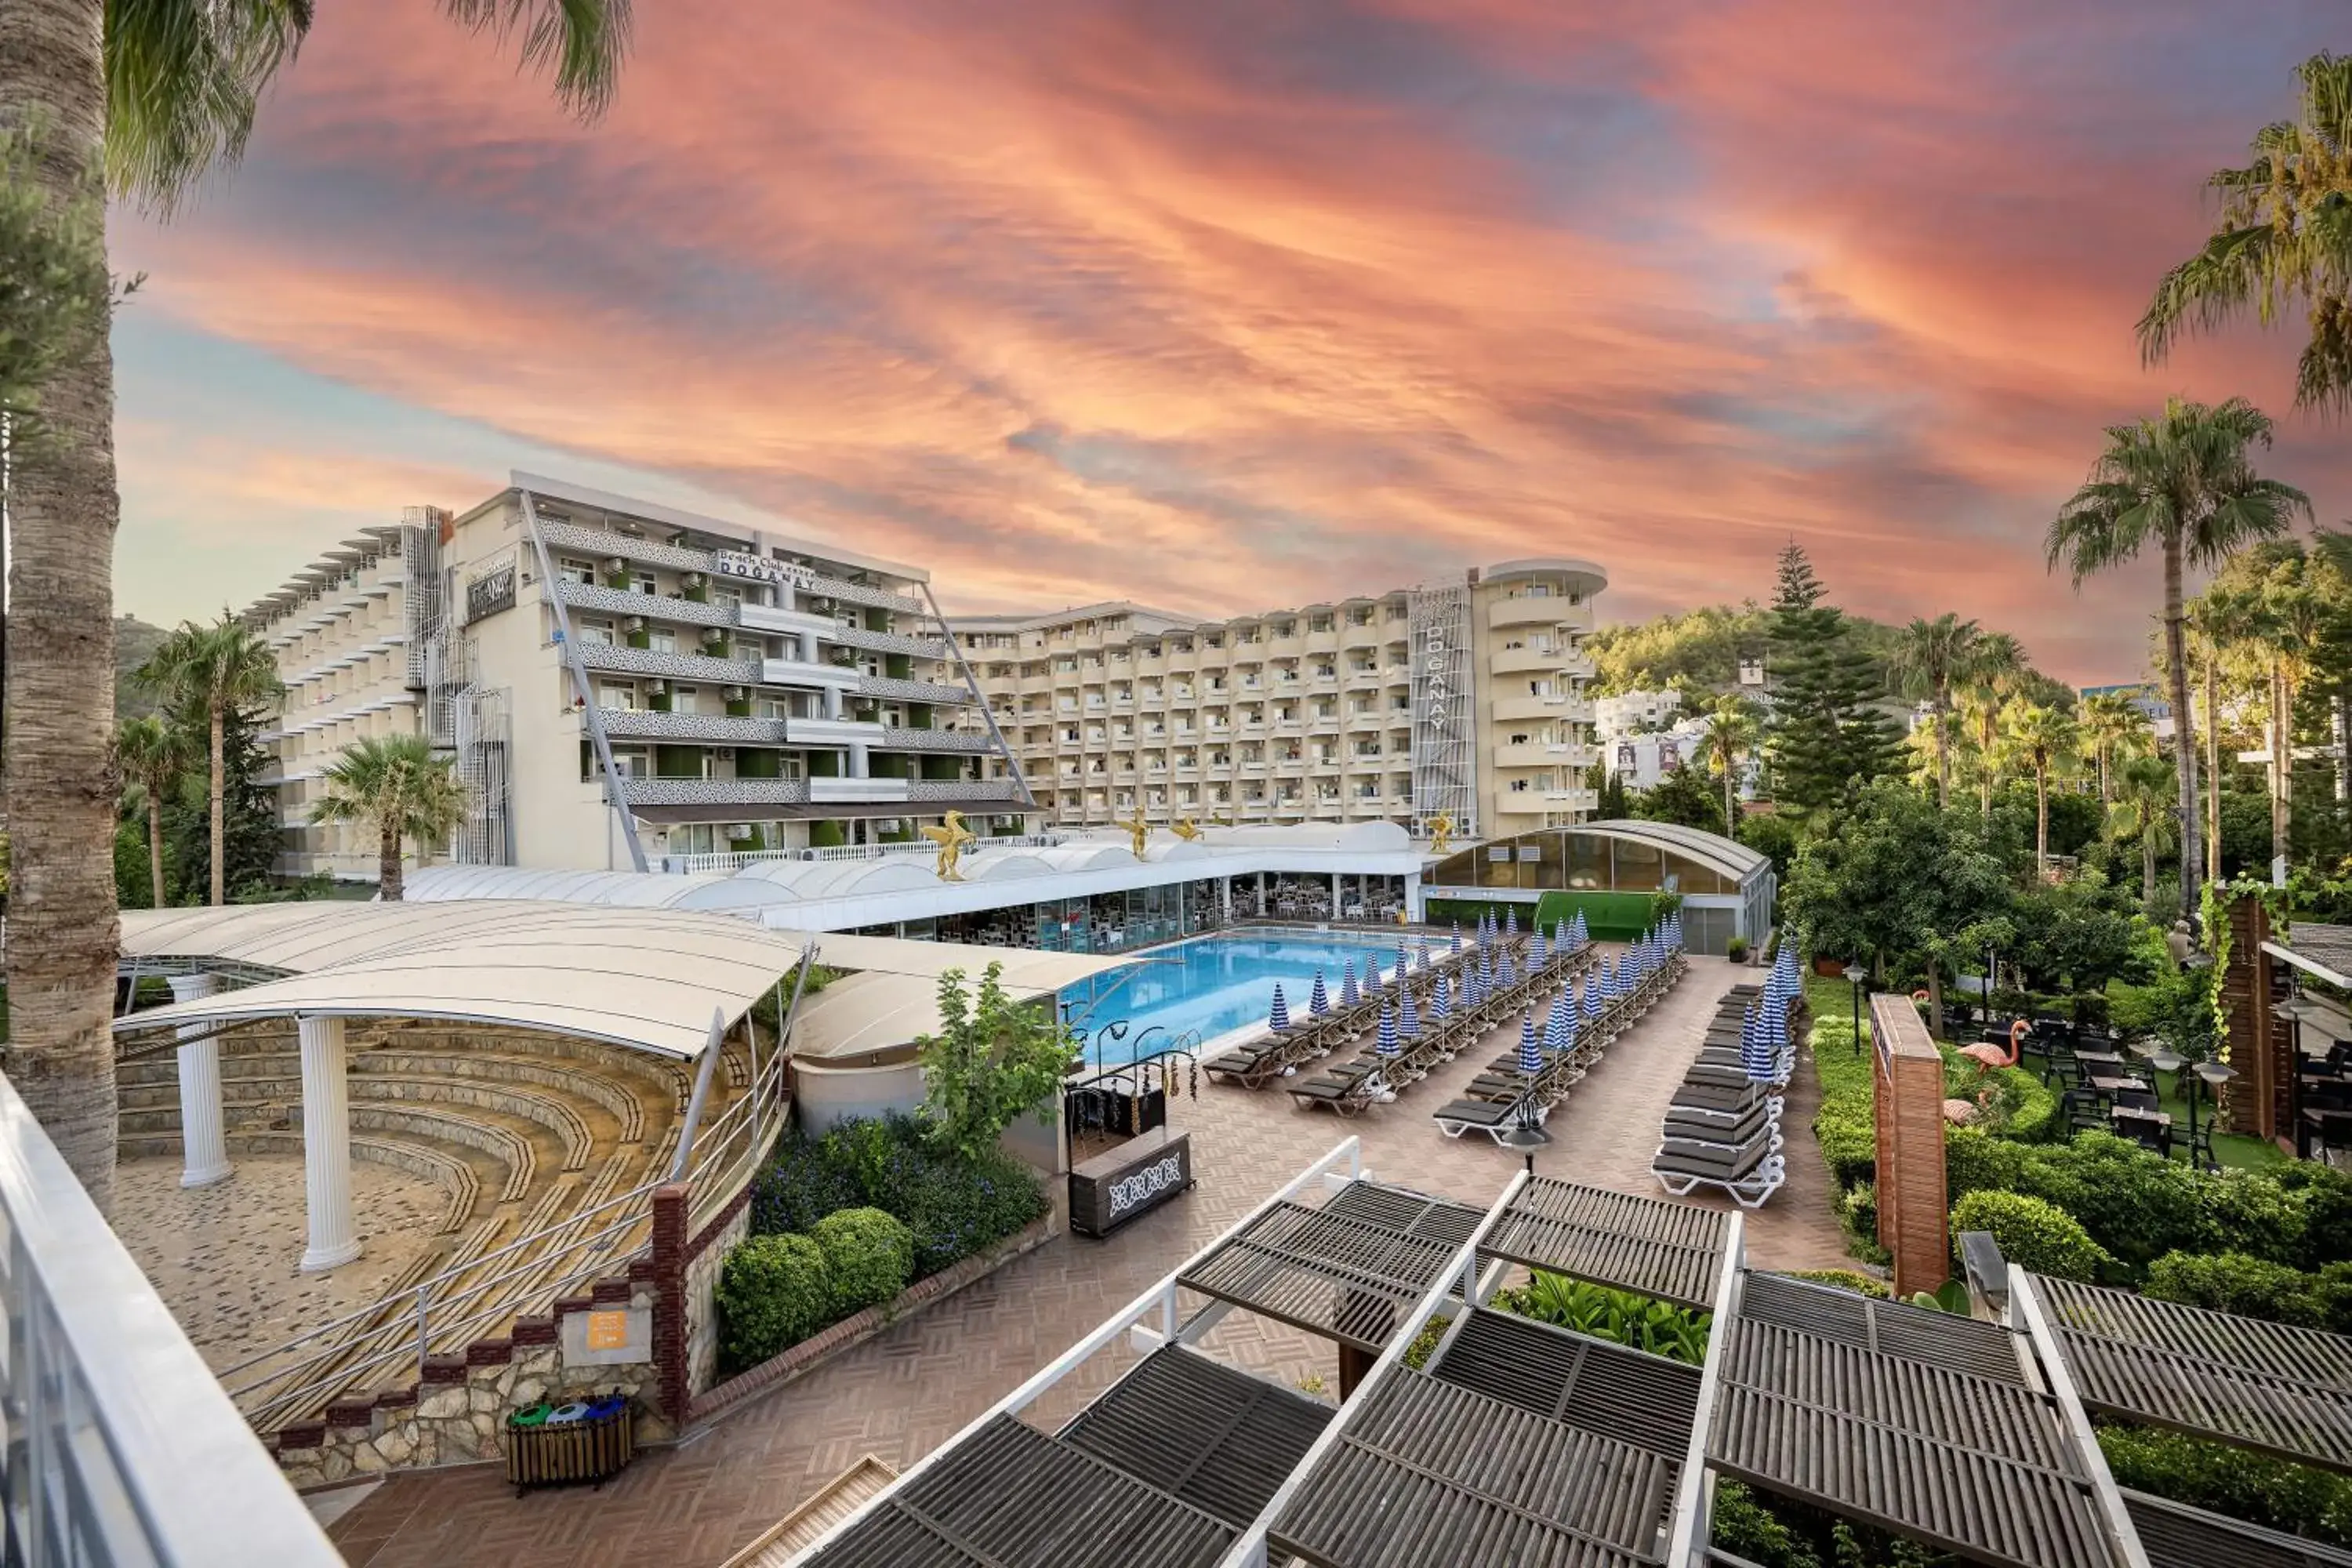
(120, 1446)
(735, 859)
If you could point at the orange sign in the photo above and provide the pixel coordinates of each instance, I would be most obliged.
(608, 1330)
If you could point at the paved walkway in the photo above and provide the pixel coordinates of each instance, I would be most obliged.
(902, 1394)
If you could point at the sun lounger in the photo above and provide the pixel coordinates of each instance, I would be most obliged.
(1718, 1127)
(1750, 1175)
(1492, 1117)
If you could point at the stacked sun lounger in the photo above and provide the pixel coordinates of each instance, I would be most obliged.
(1453, 1004)
(1722, 1126)
(1568, 1037)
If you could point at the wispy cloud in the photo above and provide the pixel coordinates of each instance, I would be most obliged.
(1225, 305)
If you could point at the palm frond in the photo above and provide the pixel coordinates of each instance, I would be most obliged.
(584, 41)
(182, 84)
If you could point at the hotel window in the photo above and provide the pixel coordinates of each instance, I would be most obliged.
(643, 581)
(1319, 624)
(685, 700)
(580, 574)
(596, 632)
(617, 694)
(661, 640)
(631, 763)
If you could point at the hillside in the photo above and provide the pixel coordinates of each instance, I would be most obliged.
(134, 639)
(1700, 647)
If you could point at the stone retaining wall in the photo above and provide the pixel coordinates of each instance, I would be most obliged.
(458, 1412)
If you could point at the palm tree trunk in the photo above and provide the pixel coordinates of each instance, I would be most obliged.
(1730, 822)
(1984, 771)
(2107, 788)
(1943, 750)
(2041, 822)
(2212, 769)
(220, 798)
(387, 861)
(2184, 744)
(155, 846)
(2282, 764)
(58, 767)
(2146, 865)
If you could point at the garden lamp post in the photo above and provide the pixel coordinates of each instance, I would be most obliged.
(2215, 1075)
(2164, 1059)
(1854, 975)
(1524, 1137)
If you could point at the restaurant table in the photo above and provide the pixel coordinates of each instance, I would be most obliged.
(2162, 1121)
(2099, 1058)
(2333, 1126)
(2110, 1085)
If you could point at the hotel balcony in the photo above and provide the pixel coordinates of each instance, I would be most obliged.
(720, 792)
(888, 642)
(653, 606)
(890, 689)
(1509, 614)
(1556, 707)
(716, 729)
(679, 666)
(900, 738)
(1533, 660)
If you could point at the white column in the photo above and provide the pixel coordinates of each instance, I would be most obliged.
(327, 1145)
(1413, 902)
(203, 1151)
(1335, 895)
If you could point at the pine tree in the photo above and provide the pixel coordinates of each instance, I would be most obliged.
(1823, 739)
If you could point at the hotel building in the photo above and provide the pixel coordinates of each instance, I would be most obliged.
(1463, 697)
(624, 683)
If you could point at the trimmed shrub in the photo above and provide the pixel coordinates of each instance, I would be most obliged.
(952, 1205)
(1857, 1211)
(801, 1185)
(2234, 1282)
(2035, 1120)
(773, 1292)
(869, 1255)
(1976, 1161)
(2032, 1234)
(2204, 1474)
(1735, 950)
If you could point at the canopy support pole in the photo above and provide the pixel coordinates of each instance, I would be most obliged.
(326, 1144)
(204, 1147)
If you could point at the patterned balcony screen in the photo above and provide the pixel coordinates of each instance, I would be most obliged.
(1444, 716)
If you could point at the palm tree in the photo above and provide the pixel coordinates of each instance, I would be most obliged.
(1928, 657)
(2143, 809)
(154, 96)
(2116, 729)
(2043, 739)
(1730, 732)
(394, 785)
(2225, 622)
(155, 753)
(2185, 483)
(2284, 234)
(1995, 669)
(213, 672)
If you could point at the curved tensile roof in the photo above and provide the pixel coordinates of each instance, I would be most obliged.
(1728, 856)
(644, 978)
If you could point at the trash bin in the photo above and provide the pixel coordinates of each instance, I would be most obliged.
(580, 1440)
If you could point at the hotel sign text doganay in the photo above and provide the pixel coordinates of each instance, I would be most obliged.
(736, 563)
(1438, 704)
(492, 592)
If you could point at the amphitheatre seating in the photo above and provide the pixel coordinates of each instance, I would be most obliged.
(527, 1134)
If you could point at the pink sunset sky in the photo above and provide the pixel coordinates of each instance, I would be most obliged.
(1229, 305)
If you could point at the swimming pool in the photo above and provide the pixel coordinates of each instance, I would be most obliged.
(1215, 985)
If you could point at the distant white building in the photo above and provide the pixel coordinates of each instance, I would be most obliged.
(1632, 712)
(1641, 761)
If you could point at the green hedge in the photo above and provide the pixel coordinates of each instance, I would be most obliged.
(2204, 1474)
(2255, 1288)
(953, 1206)
(2032, 1234)
(869, 1255)
(1621, 1317)
(773, 1292)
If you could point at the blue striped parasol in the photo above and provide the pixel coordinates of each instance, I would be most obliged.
(1408, 1016)
(1349, 996)
(1530, 1053)
(1504, 974)
(1421, 952)
(1388, 1037)
(1559, 1029)
(1511, 921)
(1583, 931)
(1441, 1000)
(1456, 946)
(1539, 954)
(1318, 1001)
(1400, 974)
(1277, 1017)
(1755, 1049)
(1472, 993)
(1486, 967)
(1594, 1006)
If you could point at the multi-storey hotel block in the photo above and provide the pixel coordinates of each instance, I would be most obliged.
(622, 682)
(1465, 697)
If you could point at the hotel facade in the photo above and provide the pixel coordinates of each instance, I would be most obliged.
(624, 684)
(1465, 697)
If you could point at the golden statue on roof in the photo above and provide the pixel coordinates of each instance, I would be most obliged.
(1187, 828)
(1140, 827)
(951, 836)
(1441, 834)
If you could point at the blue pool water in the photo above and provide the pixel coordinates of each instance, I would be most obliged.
(1214, 985)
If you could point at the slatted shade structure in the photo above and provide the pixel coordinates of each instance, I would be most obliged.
(1008, 1495)
(2282, 1390)
(1919, 1422)
(1591, 1384)
(1201, 1431)
(1427, 1472)
(2176, 1536)
(1670, 1250)
(1348, 1270)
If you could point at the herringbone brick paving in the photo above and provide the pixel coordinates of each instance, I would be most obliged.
(905, 1392)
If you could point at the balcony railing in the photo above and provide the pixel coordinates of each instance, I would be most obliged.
(715, 791)
(890, 688)
(678, 666)
(644, 724)
(122, 1447)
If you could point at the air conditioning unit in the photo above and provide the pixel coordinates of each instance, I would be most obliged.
(692, 579)
(657, 686)
(714, 634)
(615, 563)
(738, 831)
(732, 693)
(634, 623)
